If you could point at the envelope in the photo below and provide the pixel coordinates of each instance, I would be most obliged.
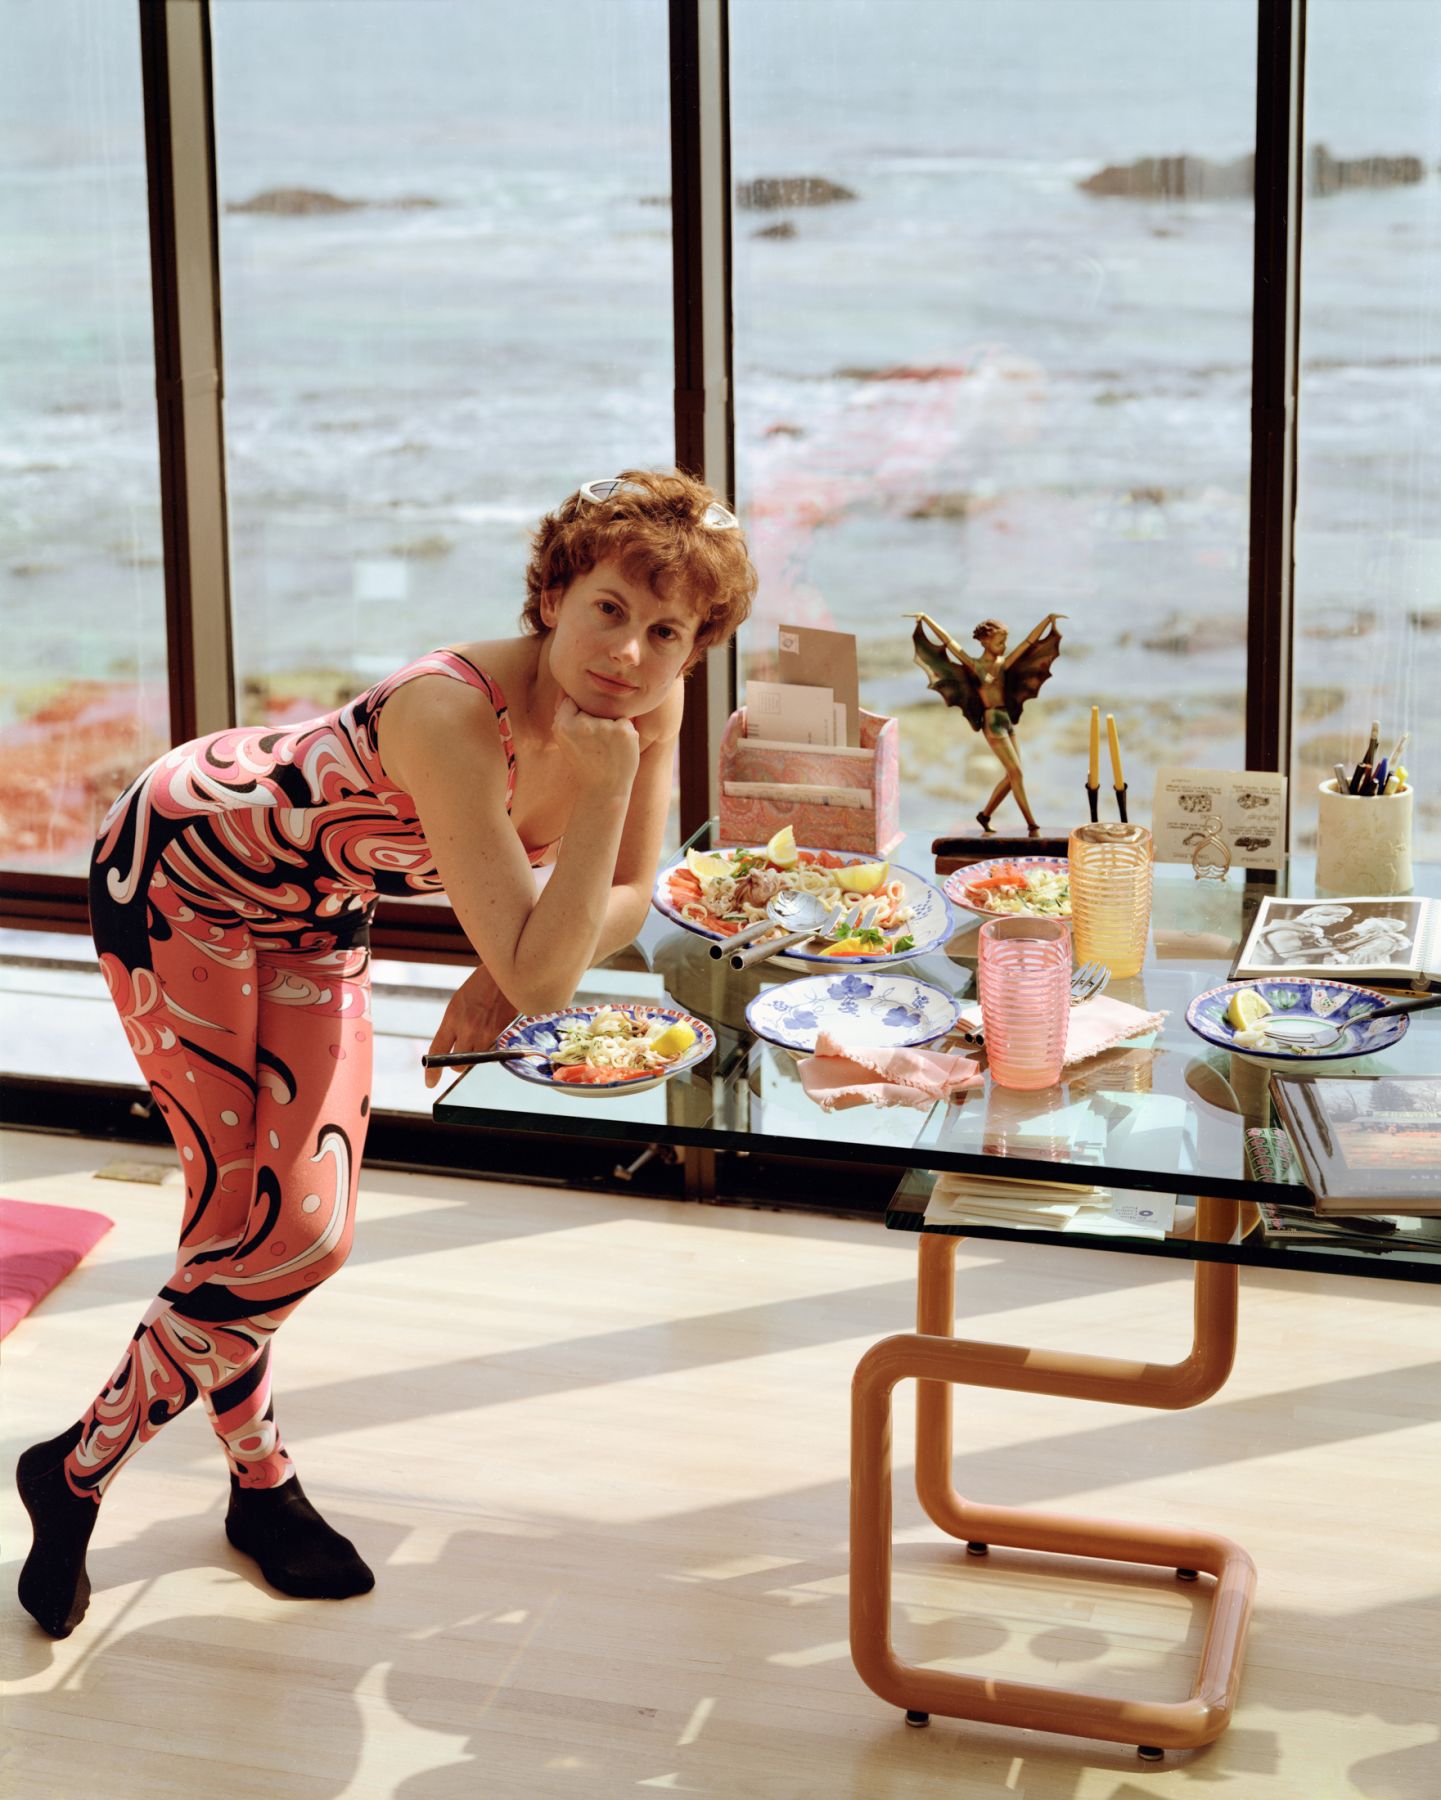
(813, 658)
(784, 713)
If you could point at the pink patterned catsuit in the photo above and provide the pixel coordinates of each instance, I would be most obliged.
(231, 892)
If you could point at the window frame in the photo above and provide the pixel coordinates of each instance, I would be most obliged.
(175, 38)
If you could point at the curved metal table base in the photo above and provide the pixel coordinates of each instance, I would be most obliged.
(937, 1360)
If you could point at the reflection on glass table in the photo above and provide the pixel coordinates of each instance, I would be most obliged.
(1165, 1114)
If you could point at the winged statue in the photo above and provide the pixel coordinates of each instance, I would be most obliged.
(991, 689)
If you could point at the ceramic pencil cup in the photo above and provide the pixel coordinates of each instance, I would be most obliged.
(1363, 845)
(1111, 867)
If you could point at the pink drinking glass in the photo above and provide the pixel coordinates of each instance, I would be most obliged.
(1025, 985)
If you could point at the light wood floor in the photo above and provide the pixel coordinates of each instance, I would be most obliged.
(596, 1450)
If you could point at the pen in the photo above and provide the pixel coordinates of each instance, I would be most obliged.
(1363, 768)
(1343, 780)
(1382, 769)
(1401, 743)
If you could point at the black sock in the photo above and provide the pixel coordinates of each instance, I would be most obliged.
(54, 1588)
(297, 1551)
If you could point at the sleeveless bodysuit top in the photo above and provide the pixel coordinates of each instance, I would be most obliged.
(295, 830)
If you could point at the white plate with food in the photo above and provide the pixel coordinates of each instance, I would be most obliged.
(607, 1047)
(720, 893)
(1037, 887)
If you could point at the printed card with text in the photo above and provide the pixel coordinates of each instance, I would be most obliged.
(1251, 804)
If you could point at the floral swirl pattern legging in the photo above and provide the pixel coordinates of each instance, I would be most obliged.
(259, 1059)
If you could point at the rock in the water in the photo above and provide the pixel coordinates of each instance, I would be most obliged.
(1197, 178)
(1174, 178)
(767, 193)
(1332, 175)
(783, 228)
(300, 203)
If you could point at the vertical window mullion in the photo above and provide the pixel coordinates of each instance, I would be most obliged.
(1275, 347)
(704, 407)
(185, 285)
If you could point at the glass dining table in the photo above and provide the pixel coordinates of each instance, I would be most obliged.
(1166, 1123)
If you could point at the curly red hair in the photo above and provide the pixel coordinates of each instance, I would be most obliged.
(653, 528)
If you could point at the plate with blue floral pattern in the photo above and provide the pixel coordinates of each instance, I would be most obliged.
(879, 1011)
(541, 1031)
(1333, 1002)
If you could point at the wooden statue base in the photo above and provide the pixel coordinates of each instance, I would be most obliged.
(969, 844)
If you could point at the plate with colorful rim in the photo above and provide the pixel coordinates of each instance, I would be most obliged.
(930, 927)
(960, 880)
(878, 1010)
(1332, 1002)
(541, 1031)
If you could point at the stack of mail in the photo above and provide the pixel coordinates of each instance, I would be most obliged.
(817, 699)
(1048, 1206)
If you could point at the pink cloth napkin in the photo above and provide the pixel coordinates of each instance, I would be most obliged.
(841, 1075)
(1094, 1026)
(39, 1245)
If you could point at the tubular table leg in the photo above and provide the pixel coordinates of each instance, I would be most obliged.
(936, 1360)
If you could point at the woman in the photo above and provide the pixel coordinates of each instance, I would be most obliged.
(231, 891)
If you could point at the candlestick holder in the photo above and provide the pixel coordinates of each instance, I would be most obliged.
(1121, 793)
(1093, 800)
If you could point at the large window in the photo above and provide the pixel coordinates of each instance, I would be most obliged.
(446, 268)
(995, 361)
(1368, 521)
(83, 694)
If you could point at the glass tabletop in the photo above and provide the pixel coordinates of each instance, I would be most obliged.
(1165, 1113)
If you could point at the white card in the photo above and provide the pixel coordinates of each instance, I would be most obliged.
(791, 715)
(1252, 808)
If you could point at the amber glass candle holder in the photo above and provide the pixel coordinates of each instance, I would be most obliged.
(1024, 978)
(1111, 895)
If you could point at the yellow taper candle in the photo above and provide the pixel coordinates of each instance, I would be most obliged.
(1117, 778)
(1093, 779)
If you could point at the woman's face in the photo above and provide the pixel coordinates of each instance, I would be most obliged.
(615, 647)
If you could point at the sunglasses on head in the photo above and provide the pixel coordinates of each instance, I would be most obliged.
(718, 517)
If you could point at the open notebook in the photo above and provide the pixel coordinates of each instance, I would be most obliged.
(1391, 939)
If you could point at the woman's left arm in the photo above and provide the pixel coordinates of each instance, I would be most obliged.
(644, 830)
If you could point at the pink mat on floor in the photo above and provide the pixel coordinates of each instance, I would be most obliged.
(40, 1245)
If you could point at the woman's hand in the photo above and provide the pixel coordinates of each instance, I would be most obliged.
(474, 1018)
(603, 754)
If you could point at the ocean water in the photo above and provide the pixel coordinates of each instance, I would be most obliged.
(973, 390)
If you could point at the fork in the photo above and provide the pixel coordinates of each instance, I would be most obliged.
(1086, 983)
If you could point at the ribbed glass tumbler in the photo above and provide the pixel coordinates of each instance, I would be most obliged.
(1024, 975)
(1111, 895)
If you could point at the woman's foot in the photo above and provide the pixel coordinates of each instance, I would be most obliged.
(297, 1551)
(983, 819)
(54, 1587)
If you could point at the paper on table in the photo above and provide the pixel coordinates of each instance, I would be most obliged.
(789, 714)
(810, 657)
(1251, 804)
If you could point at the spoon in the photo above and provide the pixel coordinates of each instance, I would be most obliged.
(811, 918)
(785, 908)
(1321, 1034)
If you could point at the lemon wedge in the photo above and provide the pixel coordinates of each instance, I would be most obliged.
(1247, 1007)
(781, 850)
(862, 878)
(674, 1041)
(847, 947)
(705, 864)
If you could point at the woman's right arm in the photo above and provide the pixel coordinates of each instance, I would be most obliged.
(440, 743)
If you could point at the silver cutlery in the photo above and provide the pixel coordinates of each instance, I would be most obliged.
(815, 921)
(1087, 982)
(1322, 1034)
(790, 907)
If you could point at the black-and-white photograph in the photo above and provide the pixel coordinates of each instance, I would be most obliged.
(1336, 934)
